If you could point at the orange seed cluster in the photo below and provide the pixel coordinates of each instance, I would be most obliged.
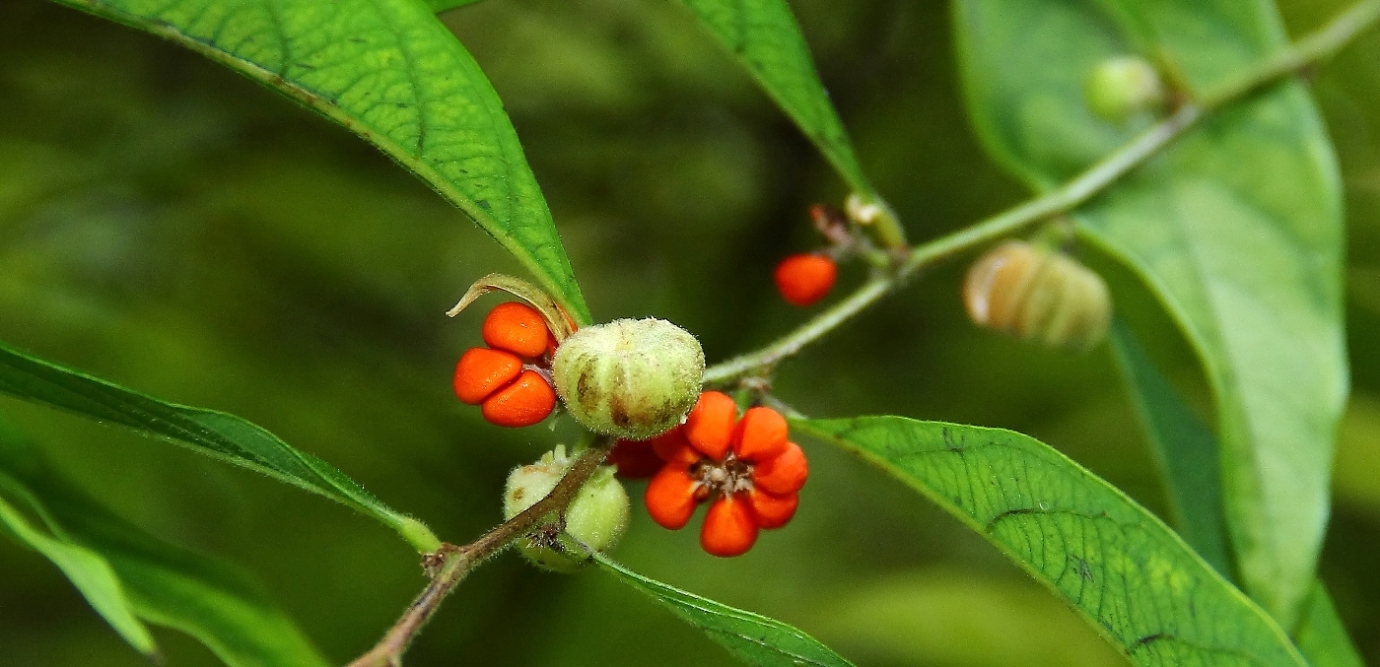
(745, 468)
(806, 278)
(510, 378)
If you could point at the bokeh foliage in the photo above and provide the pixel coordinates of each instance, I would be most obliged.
(174, 227)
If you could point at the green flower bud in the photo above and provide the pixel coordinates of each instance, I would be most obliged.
(597, 517)
(1038, 295)
(631, 379)
(1123, 86)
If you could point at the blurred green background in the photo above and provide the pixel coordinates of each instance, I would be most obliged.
(173, 227)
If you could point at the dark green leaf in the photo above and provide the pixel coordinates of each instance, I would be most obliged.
(138, 574)
(215, 434)
(1110, 559)
(1185, 449)
(389, 71)
(752, 638)
(765, 38)
(1237, 228)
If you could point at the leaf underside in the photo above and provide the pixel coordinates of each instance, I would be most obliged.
(764, 36)
(752, 638)
(125, 573)
(1237, 228)
(215, 434)
(1116, 564)
(392, 73)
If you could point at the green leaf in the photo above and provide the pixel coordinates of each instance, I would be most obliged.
(1321, 636)
(1236, 227)
(135, 573)
(1184, 448)
(86, 569)
(752, 638)
(764, 36)
(389, 71)
(1116, 564)
(439, 6)
(215, 434)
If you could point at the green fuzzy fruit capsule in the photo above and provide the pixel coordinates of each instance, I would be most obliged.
(597, 517)
(631, 379)
(1038, 295)
(1122, 86)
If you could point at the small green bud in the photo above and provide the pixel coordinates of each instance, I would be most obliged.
(631, 379)
(597, 517)
(1123, 86)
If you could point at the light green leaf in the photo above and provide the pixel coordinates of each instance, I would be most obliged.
(389, 71)
(86, 569)
(138, 574)
(752, 638)
(1116, 564)
(215, 434)
(764, 36)
(1185, 449)
(1321, 636)
(1237, 228)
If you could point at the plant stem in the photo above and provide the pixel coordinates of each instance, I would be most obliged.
(449, 565)
(1308, 51)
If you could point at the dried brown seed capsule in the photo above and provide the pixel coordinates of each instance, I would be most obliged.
(1038, 295)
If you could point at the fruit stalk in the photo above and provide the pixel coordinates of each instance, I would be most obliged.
(450, 564)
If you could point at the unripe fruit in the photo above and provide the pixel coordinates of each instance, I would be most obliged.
(1038, 295)
(631, 379)
(526, 401)
(597, 517)
(517, 328)
(1122, 86)
(806, 278)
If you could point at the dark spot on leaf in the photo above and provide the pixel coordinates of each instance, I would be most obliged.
(482, 203)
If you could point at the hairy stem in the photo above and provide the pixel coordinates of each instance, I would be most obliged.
(449, 565)
(1308, 51)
